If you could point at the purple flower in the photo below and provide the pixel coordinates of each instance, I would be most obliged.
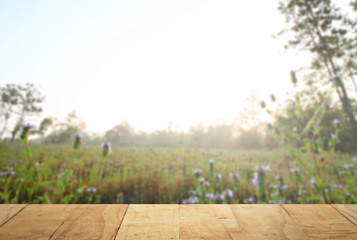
(333, 76)
(79, 191)
(230, 193)
(348, 166)
(208, 184)
(267, 169)
(194, 200)
(336, 122)
(312, 182)
(210, 196)
(354, 159)
(295, 170)
(202, 179)
(197, 172)
(255, 181)
(250, 200)
(284, 187)
(211, 161)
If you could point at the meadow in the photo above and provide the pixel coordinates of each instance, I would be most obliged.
(48, 173)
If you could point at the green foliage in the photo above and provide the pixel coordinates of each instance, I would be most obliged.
(144, 175)
(320, 27)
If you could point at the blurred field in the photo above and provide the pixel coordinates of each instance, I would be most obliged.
(59, 174)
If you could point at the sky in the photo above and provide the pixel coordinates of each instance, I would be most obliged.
(146, 62)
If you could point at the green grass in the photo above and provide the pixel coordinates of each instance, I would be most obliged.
(59, 174)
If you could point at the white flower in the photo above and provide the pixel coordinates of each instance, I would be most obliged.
(211, 161)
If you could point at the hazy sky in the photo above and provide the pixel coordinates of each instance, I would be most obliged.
(148, 62)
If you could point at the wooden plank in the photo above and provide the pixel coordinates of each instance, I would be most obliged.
(7, 211)
(348, 210)
(208, 222)
(322, 221)
(150, 222)
(264, 221)
(36, 222)
(92, 222)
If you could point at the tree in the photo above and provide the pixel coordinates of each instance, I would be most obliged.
(9, 100)
(64, 132)
(320, 28)
(120, 134)
(20, 102)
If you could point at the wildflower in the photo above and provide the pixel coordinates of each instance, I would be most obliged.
(295, 129)
(277, 177)
(272, 96)
(221, 197)
(295, 170)
(312, 182)
(284, 187)
(202, 179)
(348, 194)
(194, 200)
(79, 191)
(255, 181)
(336, 122)
(77, 141)
(210, 196)
(208, 184)
(267, 169)
(37, 164)
(348, 166)
(218, 176)
(197, 172)
(229, 193)
(235, 176)
(354, 159)
(25, 131)
(106, 149)
(333, 76)
(211, 165)
(250, 200)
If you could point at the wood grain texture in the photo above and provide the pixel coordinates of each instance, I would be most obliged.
(150, 222)
(269, 222)
(92, 222)
(348, 210)
(8, 211)
(208, 222)
(36, 222)
(322, 221)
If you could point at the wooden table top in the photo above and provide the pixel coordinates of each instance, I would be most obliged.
(172, 221)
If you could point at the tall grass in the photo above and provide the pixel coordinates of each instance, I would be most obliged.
(61, 174)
